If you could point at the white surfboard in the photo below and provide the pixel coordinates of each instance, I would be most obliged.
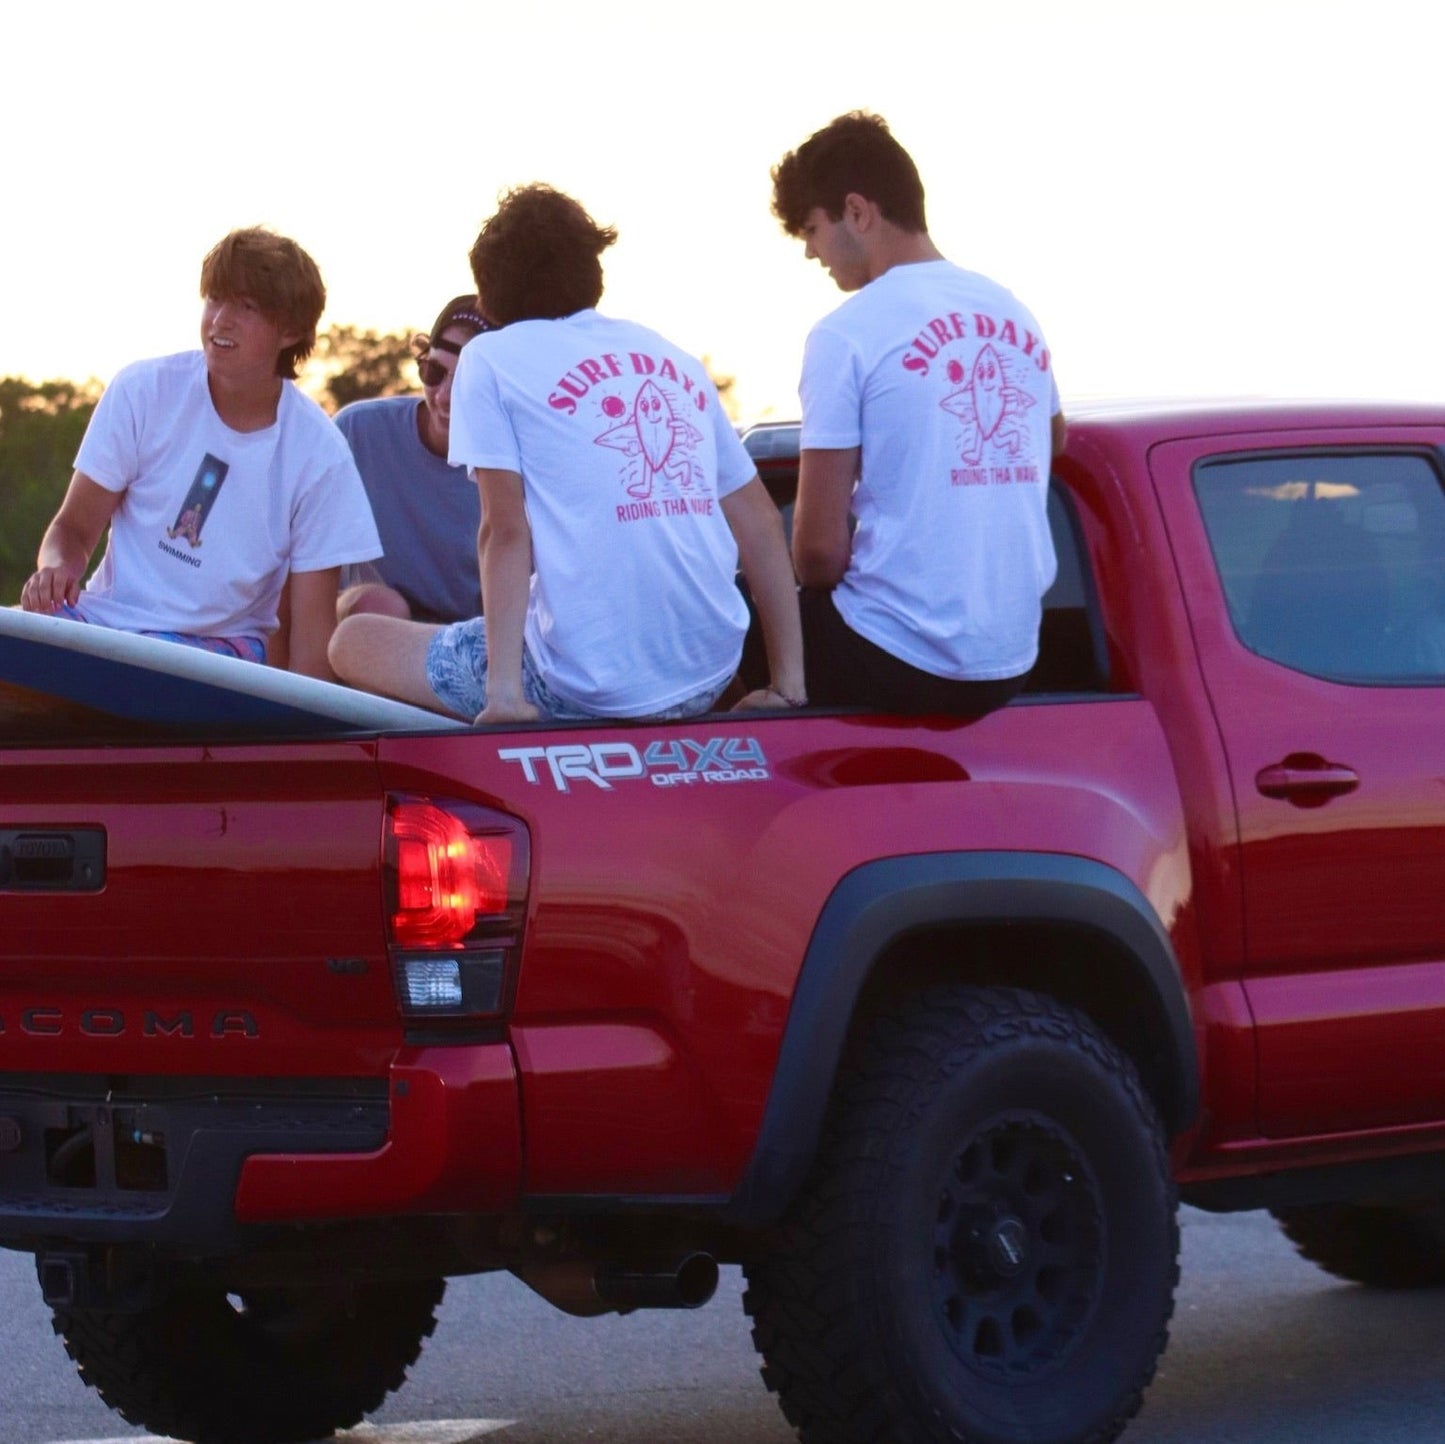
(77, 676)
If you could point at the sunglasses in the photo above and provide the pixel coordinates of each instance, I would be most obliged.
(433, 373)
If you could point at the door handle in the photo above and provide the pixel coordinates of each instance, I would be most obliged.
(1306, 780)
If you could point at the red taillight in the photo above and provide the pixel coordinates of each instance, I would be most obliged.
(447, 877)
(456, 887)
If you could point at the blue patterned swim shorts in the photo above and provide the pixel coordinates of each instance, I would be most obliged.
(456, 670)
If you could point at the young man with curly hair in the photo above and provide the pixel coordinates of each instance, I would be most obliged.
(930, 414)
(617, 505)
(216, 478)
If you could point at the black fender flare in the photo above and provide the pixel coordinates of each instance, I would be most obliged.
(884, 900)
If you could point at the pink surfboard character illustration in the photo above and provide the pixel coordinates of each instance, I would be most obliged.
(655, 436)
(983, 402)
(988, 390)
(653, 418)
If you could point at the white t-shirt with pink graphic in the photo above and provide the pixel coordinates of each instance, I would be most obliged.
(212, 520)
(945, 382)
(625, 455)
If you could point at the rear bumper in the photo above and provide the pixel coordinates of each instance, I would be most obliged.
(188, 1164)
(455, 1146)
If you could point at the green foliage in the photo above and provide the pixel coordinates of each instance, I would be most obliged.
(353, 365)
(40, 431)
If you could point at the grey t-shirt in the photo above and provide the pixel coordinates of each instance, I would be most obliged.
(427, 512)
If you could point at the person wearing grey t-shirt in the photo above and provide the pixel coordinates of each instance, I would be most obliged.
(427, 513)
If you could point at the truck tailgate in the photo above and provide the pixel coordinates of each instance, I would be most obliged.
(188, 910)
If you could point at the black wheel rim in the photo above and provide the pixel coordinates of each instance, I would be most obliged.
(1018, 1248)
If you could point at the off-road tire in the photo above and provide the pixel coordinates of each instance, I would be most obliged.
(1387, 1246)
(987, 1247)
(276, 1366)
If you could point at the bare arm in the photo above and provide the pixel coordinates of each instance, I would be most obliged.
(66, 547)
(763, 556)
(821, 541)
(1058, 433)
(311, 623)
(504, 547)
(278, 644)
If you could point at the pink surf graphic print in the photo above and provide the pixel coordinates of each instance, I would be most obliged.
(656, 439)
(991, 408)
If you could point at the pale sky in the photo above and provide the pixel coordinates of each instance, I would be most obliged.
(1194, 199)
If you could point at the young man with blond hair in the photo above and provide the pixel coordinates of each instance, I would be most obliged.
(216, 478)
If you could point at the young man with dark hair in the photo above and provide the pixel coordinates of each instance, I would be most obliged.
(539, 257)
(427, 511)
(216, 478)
(930, 414)
(617, 503)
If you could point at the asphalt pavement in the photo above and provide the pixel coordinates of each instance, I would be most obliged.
(1265, 1349)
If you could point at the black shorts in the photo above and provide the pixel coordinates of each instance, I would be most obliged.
(844, 669)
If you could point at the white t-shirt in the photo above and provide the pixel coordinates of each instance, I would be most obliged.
(212, 520)
(624, 454)
(943, 379)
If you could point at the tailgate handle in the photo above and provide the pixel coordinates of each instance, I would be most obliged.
(46, 860)
(1306, 779)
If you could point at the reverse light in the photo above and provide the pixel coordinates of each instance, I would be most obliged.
(463, 984)
(456, 895)
(432, 982)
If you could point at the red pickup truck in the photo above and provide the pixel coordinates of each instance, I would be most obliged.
(927, 1023)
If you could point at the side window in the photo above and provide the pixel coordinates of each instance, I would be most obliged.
(1333, 564)
(1073, 655)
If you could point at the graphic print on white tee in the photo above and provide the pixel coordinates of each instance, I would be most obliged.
(199, 500)
(654, 436)
(991, 407)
